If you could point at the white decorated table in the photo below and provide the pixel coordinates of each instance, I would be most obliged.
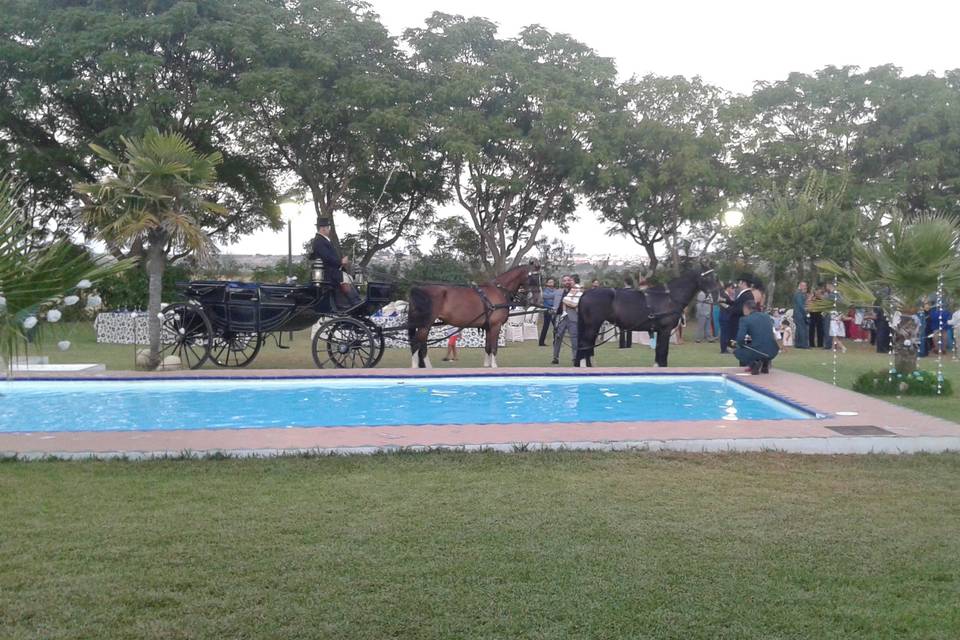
(121, 327)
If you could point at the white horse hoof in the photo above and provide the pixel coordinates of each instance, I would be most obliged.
(493, 362)
(426, 363)
(414, 364)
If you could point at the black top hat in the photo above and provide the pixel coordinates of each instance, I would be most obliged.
(323, 222)
(746, 277)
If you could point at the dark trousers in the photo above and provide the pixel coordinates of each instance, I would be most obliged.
(626, 339)
(725, 336)
(801, 338)
(816, 329)
(547, 323)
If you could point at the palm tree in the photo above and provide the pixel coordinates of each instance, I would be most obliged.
(901, 269)
(32, 276)
(154, 202)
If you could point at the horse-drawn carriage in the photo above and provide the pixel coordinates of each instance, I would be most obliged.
(227, 322)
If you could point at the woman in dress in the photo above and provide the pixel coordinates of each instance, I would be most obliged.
(837, 331)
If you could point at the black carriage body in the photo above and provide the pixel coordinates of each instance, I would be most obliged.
(251, 307)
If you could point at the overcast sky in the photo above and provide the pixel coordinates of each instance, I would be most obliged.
(731, 44)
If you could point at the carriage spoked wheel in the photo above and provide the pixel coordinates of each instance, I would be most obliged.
(345, 343)
(185, 332)
(379, 340)
(235, 348)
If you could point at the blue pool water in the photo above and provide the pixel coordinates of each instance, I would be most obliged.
(28, 406)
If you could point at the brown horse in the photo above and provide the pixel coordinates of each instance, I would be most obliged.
(486, 307)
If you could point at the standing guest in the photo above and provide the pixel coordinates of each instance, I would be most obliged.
(571, 302)
(743, 295)
(626, 337)
(759, 293)
(837, 331)
(923, 330)
(562, 321)
(954, 322)
(755, 345)
(549, 293)
(801, 335)
(704, 315)
(595, 284)
(883, 330)
(940, 329)
(452, 352)
(828, 318)
(816, 320)
(786, 334)
(725, 304)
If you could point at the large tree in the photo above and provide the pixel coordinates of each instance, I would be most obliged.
(659, 161)
(908, 156)
(80, 72)
(329, 99)
(514, 123)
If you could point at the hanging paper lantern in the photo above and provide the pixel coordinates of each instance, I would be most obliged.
(84, 284)
(63, 345)
(29, 322)
(53, 315)
(71, 300)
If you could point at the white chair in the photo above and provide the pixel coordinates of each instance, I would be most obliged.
(530, 330)
(513, 329)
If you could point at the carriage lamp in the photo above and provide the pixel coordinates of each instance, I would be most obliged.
(316, 272)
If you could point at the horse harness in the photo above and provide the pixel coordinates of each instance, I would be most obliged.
(488, 307)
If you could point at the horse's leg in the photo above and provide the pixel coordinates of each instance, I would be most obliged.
(414, 340)
(418, 347)
(492, 336)
(663, 345)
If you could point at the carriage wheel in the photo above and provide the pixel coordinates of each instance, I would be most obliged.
(381, 343)
(235, 348)
(185, 332)
(344, 343)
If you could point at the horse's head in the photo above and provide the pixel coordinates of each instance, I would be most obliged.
(707, 280)
(521, 283)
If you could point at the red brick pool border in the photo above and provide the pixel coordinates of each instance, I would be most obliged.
(909, 431)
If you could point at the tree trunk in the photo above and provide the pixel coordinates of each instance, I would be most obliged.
(905, 345)
(156, 262)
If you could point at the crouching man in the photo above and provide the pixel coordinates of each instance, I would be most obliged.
(755, 345)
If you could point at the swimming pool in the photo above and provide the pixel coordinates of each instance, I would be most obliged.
(152, 405)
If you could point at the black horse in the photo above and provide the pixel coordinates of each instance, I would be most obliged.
(657, 309)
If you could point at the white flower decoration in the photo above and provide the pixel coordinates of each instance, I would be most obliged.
(63, 345)
(71, 300)
(53, 315)
(84, 284)
(29, 322)
(93, 302)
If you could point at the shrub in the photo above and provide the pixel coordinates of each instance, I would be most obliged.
(129, 289)
(892, 383)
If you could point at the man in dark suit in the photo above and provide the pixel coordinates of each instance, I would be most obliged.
(743, 295)
(756, 345)
(333, 263)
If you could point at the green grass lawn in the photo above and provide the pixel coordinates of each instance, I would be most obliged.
(816, 363)
(451, 545)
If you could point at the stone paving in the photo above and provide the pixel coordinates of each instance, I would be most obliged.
(848, 423)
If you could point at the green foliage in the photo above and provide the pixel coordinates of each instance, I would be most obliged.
(797, 225)
(658, 161)
(33, 277)
(130, 289)
(515, 125)
(893, 383)
(76, 72)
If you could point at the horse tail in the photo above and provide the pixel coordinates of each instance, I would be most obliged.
(420, 311)
(596, 305)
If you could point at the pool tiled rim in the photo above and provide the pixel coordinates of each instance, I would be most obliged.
(911, 431)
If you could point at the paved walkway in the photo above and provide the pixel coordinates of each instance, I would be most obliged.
(850, 423)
